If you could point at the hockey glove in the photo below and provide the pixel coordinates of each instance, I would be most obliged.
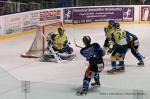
(110, 51)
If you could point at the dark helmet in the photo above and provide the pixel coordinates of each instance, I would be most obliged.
(60, 30)
(86, 40)
(111, 21)
(116, 25)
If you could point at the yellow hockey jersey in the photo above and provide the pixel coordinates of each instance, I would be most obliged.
(108, 32)
(58, 41)
(118, 38)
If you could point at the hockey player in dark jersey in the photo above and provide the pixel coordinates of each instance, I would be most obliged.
(133, 44)
(94, 55)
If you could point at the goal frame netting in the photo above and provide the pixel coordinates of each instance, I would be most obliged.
(39, 45)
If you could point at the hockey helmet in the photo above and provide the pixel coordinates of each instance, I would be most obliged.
(116, 25)
(60, 30)
(86, 40)
(111, 21)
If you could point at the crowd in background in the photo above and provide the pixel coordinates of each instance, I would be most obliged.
(16, 6)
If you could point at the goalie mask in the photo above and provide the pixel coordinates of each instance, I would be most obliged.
(86, 40)
(61, 31)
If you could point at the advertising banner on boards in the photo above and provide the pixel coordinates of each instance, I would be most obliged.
(13, 24)
(98, 14)
(68, 16)
(2, 26)
(30, 20)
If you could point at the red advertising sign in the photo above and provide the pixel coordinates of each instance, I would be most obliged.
(50, 15)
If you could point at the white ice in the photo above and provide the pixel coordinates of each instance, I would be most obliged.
(62, 80)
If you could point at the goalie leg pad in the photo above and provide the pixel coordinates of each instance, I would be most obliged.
(47, 58)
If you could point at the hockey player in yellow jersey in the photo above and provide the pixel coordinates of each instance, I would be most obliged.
(58, 47)
(59, 41)
(119, 49)
(108, 31)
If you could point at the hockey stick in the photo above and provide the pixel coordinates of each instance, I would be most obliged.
(76, 44)
(142, 56)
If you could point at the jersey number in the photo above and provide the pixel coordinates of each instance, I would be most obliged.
(121, 38)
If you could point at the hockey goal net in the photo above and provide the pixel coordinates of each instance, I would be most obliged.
(39, 45)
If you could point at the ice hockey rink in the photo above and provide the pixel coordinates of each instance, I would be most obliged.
(62, 80)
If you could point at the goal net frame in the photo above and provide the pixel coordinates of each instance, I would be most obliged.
(41, 33)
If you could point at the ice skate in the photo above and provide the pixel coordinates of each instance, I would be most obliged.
(97, 83)
(120, 69)
(82, 92)
(113, 70)
(141, 63)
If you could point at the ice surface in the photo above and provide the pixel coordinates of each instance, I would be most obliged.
(60, 81)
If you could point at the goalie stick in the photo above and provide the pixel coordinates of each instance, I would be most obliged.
(142, 56)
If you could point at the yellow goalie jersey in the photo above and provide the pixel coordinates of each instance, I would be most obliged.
(58, 41)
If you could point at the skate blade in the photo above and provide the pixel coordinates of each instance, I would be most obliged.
(78, 93)
(95, 85)
(115, 72)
